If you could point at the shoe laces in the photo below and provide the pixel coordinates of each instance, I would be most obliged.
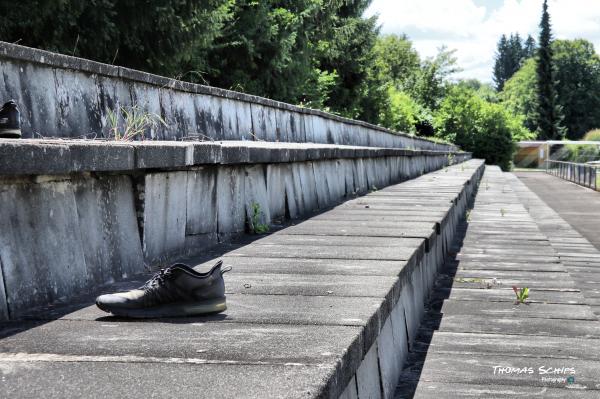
(159, 278)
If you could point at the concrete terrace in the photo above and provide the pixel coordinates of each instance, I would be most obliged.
(332, 306)
(473, 331)
(322, 308)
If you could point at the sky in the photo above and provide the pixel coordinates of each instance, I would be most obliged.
(473, 27)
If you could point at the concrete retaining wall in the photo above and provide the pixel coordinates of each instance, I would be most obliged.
(77, 214)
(62, 96)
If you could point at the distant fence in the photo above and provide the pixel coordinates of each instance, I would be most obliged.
(582, 174)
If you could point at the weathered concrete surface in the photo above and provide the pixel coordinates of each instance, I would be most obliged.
(62, 96)
(568, 214)
(473, 326)
(126, 205)
(577, 205)
(335, 320)
(50, 157)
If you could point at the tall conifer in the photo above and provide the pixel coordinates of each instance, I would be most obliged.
(548, 113)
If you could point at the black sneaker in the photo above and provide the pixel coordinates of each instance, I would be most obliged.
(175, 291)
(10, 124)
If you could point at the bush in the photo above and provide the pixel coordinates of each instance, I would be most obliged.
(485, 129)
(592, 135)
(401, 113)
(582, 153)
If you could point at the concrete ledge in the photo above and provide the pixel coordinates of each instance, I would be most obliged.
(49, 157)
(193, 108)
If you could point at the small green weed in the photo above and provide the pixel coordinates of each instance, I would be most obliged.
(522, 294)
(256, 227)
(451, 159)
(502, 211)
(468, 215)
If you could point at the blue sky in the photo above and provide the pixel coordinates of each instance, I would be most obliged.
(473, 27)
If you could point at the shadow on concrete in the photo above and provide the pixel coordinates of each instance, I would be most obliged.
(433, 315)
(48, 313)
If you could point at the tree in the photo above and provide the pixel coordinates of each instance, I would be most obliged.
(168, 37)
(548, 111)
(484, 128)
(529, 48)
(431, 81)
(519, 94)
(396, 61)
(345, 47)
(577, 83)
(510, 55)
(402, 113)
(577, 80)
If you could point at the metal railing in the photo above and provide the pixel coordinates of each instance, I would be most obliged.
(583, 174)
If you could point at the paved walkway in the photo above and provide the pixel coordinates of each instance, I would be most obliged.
(579, 256)
(475, 341)
(578, 205)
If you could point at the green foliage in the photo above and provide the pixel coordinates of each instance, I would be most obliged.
(484, 128)
(255, 224)
(431, 82)
(165, 36)
(518, 95)
(510, 54)
(396, 61)
(577, 69)
(592, 135)
(522, 294)
(581, 153)
(482, 90)
(577, 74)
(548, 115)
(402, 112)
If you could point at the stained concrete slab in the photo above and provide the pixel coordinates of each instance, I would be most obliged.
(506, 294)
(235, 342)
(44, 216)
(518, 326)
(338, 267)
(127, 378)
(441, 390)
(304, 284)
(506, 344)
(324, 252)
(360, 228)
(578, 206)
(479, 369)
(165, 205)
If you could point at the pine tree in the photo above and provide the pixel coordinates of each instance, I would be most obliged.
(529, 47)
(516, 54)
(499, 63)
(509, 58)
(548, 113)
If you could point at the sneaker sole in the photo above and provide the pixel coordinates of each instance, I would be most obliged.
(170, 310)
(10, 133)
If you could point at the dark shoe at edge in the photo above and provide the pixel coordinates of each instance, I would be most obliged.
(175, 291)
(10, 123)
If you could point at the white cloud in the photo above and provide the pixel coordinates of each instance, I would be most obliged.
(473, 30)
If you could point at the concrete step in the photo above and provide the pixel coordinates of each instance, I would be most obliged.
(323, 308)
